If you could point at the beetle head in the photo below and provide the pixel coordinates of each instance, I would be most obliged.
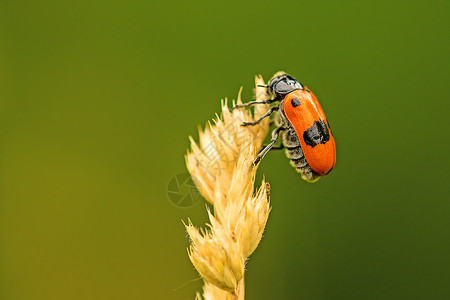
(282, 85)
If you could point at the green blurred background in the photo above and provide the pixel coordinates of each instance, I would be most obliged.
(98, 98)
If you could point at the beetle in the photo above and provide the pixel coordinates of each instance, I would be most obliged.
(305, 132)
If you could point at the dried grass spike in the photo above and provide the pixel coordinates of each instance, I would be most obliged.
(221, 167)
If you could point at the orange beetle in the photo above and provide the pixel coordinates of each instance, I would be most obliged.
(305, 132)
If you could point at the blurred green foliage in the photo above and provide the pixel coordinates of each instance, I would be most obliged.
(97, 99)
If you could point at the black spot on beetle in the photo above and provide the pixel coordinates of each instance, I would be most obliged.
(316, 134)
(295, 102)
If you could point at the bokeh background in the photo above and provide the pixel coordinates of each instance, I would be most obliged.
(98, 98)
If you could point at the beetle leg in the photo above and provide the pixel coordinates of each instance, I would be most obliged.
(269, 112)
(281, 147)
(266, 149)
(255, 103)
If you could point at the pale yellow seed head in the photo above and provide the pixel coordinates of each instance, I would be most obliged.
(221, 167)
(212, 292)
(216, 257)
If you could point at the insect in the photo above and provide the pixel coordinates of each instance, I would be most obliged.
(301, 122)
